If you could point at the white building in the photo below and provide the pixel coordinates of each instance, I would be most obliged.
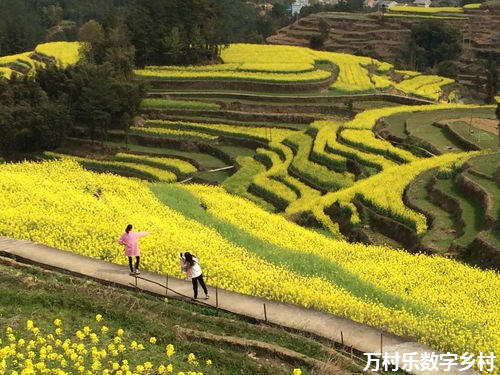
(298, 5)
(422, 3)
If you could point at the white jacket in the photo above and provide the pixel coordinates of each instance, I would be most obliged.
(193, 271)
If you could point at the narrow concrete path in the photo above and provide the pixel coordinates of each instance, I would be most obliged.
(360, 337)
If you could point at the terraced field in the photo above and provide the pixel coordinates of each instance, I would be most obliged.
(321, 159)
(377, 168)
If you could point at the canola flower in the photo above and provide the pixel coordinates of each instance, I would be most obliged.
(20, 63)
(293, 64)
(135, 167)
(178, 166)
(427, 86)
(65, 53)
(368, 119)
(173, 133)
(426, 10)
(257, 132)
(373, 190)
(472, 6)
(365, 140)
(307, 76)
(326, 140)
(90, 351)
(6, 72)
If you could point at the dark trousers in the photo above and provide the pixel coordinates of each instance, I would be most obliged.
(137, 260)
(195, 281)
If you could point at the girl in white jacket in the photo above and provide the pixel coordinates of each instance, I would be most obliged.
(189, 263)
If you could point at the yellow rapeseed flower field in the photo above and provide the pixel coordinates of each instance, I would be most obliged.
(444, 304)
(65, 53)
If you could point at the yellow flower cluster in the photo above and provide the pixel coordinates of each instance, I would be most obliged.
(427, 86)
(65, 53)
(272, 63)
(6, 72)
(258, 132)
(55, 203)
(368, 119)
(472, 6)
(366, 140)
(90, 350)
(427, 10)
(177, 165)
(174, 133)
(21, 63)
(307, 76)
(326, 139)
(134, 168)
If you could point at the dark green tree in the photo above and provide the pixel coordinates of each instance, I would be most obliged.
(430, 43)
(29, 121)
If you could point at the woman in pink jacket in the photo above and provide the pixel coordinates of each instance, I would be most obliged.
(129, 240)
(189, 263)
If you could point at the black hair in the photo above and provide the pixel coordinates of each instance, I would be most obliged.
(189, 258)
(128, 228)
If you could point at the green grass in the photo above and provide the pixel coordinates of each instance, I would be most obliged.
(216, 177)
(223, 120)
(420, 125)
(441, 234)
(396, 124)
(433, 135)
(235, 151)
(491, 189)
(492, 236)
(29, 293)
(177, 104)
(482, 139)
(486, 164)
(471, 212)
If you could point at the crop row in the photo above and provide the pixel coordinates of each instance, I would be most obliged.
(308, 76)
(365, 140)
(260, 133)
(427, 86)
(326, 146)
(427, 10)
(316, 175)
(177, 104)
(273, 63)
(128, 166)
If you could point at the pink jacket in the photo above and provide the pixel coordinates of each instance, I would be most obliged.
(191, 272)
(130, 241)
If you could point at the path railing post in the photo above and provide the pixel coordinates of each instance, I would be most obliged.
(216, 296)
(265, 313)
(166, 286)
